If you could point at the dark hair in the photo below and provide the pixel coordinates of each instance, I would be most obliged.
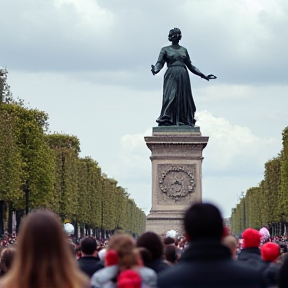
(203, 220)
(88, 245)
(170, 253)
(169, 240)
(145, 256)
(153, 243)
(176, 32)
(7, 257)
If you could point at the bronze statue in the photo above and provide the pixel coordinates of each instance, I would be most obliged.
(178, 107)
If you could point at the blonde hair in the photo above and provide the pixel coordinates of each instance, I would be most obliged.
(43, 257)
(125, 247)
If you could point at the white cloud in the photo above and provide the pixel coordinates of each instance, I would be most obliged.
(91, 15)
(234, 158)
(233, 148)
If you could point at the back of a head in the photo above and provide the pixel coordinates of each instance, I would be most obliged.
(230, 242)
(251, 238)
(145, 256)
(7, 258)
(270, 251)
(171, 253)
(203, 221)
(88, 245)
(124, 245)
(43, 257)
(153, 243)
(169, 241)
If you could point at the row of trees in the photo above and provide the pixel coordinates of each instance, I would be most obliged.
(40, 170)
(266, 204)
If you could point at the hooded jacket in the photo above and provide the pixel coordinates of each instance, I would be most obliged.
(104, 277)
(206, 263)
(251, 257)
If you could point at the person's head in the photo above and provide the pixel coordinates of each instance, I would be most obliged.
(169, 241)
(43, 258)
(88, 246)
(175, 35)
(270, 251)
(283, 248)
(153, 243)
(7, 257)
(170, 254)
(251, 238)
(203, 221)
(231, 242)
(124, 246)
(145, 256)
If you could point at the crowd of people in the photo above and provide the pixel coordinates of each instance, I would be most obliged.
(43, 256)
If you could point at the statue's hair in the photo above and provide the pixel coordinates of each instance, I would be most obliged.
(173, 32)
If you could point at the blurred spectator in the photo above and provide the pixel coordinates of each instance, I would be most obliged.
(231, 242)
(7, 257)
(145, 256)
(206, 262)
(250, 255)
(89, 256)
(170, 253)
(283, 253)
(153, 243)
(122, 256)
(270, 252)
(169, 241)
(43, 258)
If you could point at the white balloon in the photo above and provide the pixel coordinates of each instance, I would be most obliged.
(69, 229)
(172, 234)
(264, 232)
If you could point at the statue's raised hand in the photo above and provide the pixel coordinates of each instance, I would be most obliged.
(153, 70)
(211, 76)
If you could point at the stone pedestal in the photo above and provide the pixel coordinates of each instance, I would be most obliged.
(176, 156)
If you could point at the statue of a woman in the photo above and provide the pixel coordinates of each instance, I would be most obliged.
(178, 107)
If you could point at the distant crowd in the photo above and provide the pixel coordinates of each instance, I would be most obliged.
(43, 256)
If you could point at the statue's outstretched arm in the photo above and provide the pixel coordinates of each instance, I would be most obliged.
(196, 71)
(160, 63)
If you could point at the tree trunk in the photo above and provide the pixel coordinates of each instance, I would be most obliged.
(10, 218)
(19, 215)
(1, 218)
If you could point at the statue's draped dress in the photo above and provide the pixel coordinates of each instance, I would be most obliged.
(178, 106)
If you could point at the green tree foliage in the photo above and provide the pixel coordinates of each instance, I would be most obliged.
(267, 204)
(33, 154)
(65, 150)
(49, 169)
(11, 162)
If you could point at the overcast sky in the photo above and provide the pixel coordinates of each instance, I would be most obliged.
(87, 64)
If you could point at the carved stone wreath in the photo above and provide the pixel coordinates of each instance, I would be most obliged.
(177, 182)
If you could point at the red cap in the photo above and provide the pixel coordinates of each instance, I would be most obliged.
(129, 279)
(251, 238)
(270, 251)
(111, 258)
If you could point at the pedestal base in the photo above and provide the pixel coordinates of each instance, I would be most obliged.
(176, 175)
(162, 221)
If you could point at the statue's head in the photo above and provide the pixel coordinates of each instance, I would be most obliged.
(174, 34)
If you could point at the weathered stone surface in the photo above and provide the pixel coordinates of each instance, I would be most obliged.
(176, 156)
